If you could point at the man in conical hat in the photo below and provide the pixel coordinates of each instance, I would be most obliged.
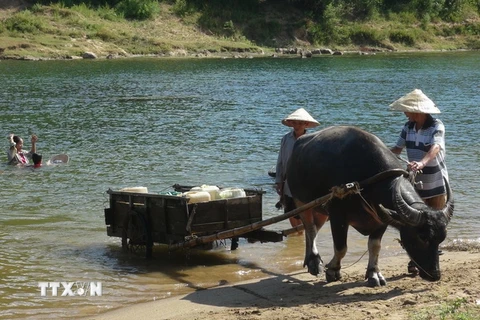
(299, 121)
(423, 136)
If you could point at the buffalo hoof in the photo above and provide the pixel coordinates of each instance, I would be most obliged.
(376, 279)
(333, 275)
(412, 268)
(314, 265)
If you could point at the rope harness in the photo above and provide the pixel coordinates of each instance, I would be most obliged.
(355, 187)
(344, 190)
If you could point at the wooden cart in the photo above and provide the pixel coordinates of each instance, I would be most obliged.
(142, 219)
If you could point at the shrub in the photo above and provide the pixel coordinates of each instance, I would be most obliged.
(404, 17)
(263, 32)
(106, 34)
(182, 8)
(84, 10)
(363, 9)
(365, 36)
(24, 22)
(473, 28)
(326, 31)
(108, 13)
(401, 36)
(229, 28)
(59, 9)
(138, 9)
(36, 8)
(425, 21)
(467, 29)
(474, 43)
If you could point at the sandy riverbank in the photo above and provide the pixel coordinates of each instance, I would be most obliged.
(302, 296)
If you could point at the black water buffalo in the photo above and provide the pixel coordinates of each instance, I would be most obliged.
(340, 155)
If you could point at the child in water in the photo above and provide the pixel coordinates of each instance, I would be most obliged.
(16, 155)
(37, 160)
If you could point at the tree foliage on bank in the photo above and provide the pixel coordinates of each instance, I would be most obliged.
(320, 22)
(448, 10)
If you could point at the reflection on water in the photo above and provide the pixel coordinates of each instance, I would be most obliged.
(159, 122)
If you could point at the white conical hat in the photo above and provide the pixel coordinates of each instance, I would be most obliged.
(300, 115)
(415, 102)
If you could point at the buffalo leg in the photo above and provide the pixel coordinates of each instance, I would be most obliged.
(339, 235)
(373, 275)
(312, 222)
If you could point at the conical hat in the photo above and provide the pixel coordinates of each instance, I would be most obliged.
(300, 115)
(415, 102)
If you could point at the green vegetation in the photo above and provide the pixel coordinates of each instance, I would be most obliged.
(52, 28)
(458, 309)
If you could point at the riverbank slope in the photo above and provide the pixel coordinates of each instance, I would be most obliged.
(31, 32)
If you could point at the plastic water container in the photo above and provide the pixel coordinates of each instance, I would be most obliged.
(212, 190)
(197, 196)
(135, 189)
(228, 193)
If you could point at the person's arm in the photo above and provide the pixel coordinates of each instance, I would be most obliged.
(279, 182)
(34, 140)
(279, 179)
(437, 144)
(10, 139)
(401, 142)
(12, 151)
(430, 155)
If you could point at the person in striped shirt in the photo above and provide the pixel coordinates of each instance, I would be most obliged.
(423, 137)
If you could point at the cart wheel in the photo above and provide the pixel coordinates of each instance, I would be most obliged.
(234, 244)
(135, 234)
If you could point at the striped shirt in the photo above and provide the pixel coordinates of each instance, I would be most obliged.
(418, 143)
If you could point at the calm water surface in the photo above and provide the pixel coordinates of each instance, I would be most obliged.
(157, 122)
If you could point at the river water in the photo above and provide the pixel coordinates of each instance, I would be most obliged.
(157, 122)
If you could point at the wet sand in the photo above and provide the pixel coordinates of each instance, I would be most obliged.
(299, 295)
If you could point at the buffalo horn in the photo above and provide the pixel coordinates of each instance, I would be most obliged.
(406, 213)
(386, 215)
(448, 210)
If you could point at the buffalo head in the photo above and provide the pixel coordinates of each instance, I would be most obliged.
(422, 228)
